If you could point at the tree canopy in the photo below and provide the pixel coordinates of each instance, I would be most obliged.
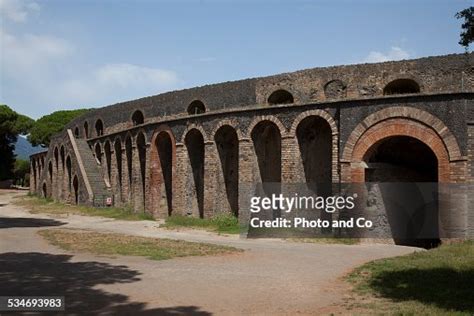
(467, 33)
(11, 124)
(50, 124)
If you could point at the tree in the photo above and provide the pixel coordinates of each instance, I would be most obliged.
(51, 124)
(22, 168)
(467, 34)
(11, 124)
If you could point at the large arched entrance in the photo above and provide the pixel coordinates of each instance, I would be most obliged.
(401, 173)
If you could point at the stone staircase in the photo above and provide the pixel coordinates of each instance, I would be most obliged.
(94, 173)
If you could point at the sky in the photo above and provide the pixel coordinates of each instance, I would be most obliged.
(58, 54)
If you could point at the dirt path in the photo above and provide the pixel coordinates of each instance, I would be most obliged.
(270, 277)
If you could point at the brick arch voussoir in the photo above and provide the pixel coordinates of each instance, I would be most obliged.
(230, 123)
(270, 118)
(410, 116)
(396, 127)
(319, 113)
(141, 131)
(197, 127)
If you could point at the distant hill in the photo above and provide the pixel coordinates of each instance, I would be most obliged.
(23, 148)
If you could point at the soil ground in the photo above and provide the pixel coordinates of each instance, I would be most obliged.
(277, 277)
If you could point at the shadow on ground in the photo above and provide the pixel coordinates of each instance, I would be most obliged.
(442, 287)
(11, 222)
(46, 274)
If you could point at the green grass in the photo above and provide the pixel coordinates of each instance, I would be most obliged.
(223, 223)
(125, 245)
(435, 282)
(41, 205)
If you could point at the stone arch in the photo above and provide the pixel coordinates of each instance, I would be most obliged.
(315, 142)
(162, 166)
(129, 155)
(138, 118)
(75, 187)
(398, 127)
(108, 159)
(99, 127)
(321, 113)
(50, 173)
(266, 138)
(410, 114)
(230, 123)
(68, 173)
(270, 118)
(86, 129)
(196, 107)
(98, 153)
(335, 89)
(280, 96)
(56, 158)
(62, 154)
(227, 143)
(45, 190)
(76, 132)
(191, 127)
(194, 141)
(118, 160)
(141, 149)
(402, 86)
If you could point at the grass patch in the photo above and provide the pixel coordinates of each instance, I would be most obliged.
(435, 282)
(118, 244)
(223, 223)
(40, 205)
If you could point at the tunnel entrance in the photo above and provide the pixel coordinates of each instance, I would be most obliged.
(164, 147)
(228, 147)
(195, 145)
(406, 173)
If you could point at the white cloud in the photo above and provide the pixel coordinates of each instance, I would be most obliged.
(127, 75)
(41, 73)
(395, 53)
(117, 82)
(18, 10)
(30, 50)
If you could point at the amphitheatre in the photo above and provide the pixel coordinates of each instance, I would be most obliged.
(187, 152)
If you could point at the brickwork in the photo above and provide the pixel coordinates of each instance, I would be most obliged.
(174, 162)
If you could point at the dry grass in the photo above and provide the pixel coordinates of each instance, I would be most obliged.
(118, 244)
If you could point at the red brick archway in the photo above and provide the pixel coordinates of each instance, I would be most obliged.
(161, 193)
(355, 172)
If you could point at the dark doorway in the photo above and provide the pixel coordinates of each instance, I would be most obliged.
(75, 185)
(406, 173)
(164, 146)
(227, 144)
(195, 145)
(315, 142)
